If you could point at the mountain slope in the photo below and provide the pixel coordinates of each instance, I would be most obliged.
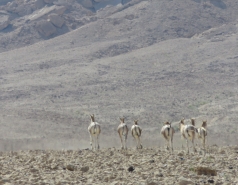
(142, 23)
(49, 88)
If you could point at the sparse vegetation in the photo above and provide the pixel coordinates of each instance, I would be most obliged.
(206, 171)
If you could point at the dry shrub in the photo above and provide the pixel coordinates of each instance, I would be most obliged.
(206, 171)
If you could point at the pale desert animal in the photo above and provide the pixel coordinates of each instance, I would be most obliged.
(202, 134)
(94, 130)
(122, 130)
(167, 131)
(136, 133)
(188, 133)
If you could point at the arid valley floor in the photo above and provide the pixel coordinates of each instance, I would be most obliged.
(147, 60)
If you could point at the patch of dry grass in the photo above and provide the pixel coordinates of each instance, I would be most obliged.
(206, 171)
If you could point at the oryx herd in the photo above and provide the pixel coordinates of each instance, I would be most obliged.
(188, 132)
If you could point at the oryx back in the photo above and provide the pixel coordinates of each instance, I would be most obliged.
(136, 131)
(94, 128)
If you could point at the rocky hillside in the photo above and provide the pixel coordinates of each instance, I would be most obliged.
(24, 22)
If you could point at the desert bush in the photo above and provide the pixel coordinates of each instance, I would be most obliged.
(206, 171)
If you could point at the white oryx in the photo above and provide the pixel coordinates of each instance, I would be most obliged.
(136, 133)
(122, 130)
(202, 134)
(94, 130)
(188, 133)
(167, 132)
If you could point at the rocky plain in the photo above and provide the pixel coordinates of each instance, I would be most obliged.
(149, 166)
(150, 60)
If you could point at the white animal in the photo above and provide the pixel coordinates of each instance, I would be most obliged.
(188, 133)
(122, 130)
(167, 132)
(202, 134)
(136, 133)
(94, 130)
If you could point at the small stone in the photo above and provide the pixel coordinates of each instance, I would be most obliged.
(114, 183)
(210, 181)
(34, 170)
(56, 20)
(160, 175)
(131, 169)
(152, 183)
(222, 152)
(46, 28)
(39, 4)
(87, 3)
(4, 21)
(184, 181)
(70, 167)
(120, 168)
(84, 169)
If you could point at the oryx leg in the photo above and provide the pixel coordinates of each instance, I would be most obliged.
(204, 145)
(91, 141)
(98, 147)
(171, 144)
(166, 144)
(140, 145)
(121, 141)
(125, 138)
(187, 145)
(194, 149)
(167, 147)
(137, 142)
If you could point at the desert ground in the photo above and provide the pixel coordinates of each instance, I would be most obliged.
(147, 60)
(149, 166)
